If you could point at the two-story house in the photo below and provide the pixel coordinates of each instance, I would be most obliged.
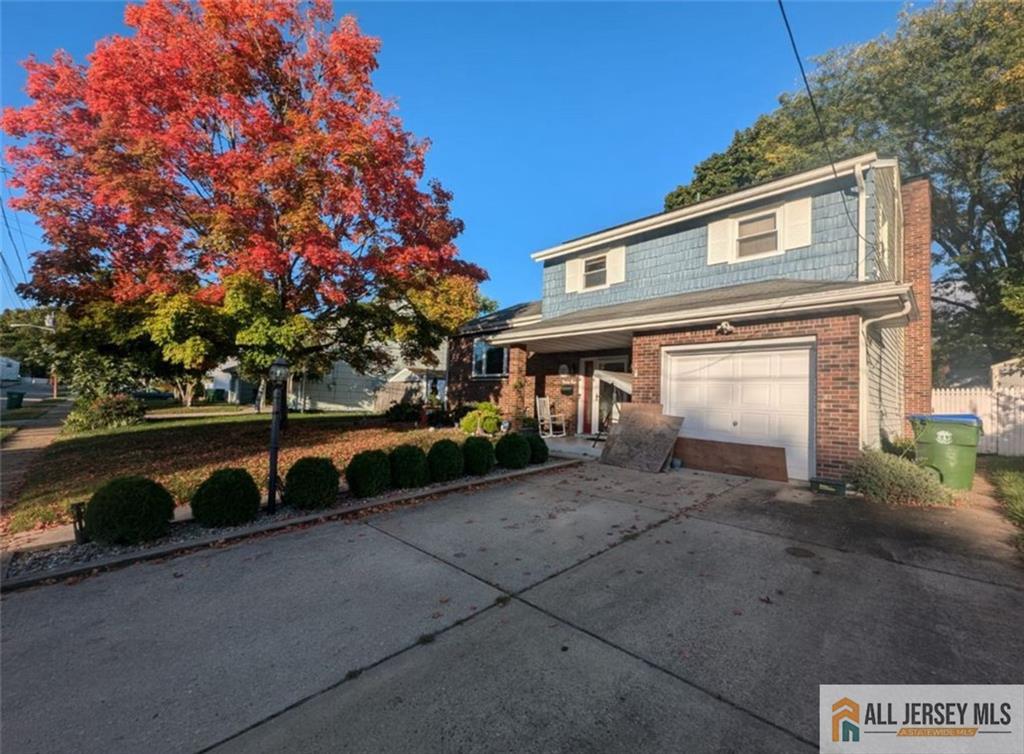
(794, 314)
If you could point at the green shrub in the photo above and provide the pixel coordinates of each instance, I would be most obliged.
(403, 412)
(128, 510)
(479, 455)
(486, 416)
(445, 461)
(889, 479)
(311, 483)
(1007, 475)
(368, 473)
(899, 446)
(228, 497)
(513, 451)
(409, 467)
(106, 412)
(538, 449)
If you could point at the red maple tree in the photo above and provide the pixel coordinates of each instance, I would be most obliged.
(232, 137)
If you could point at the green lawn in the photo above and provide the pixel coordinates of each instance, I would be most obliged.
(1007, 476)
(181, 453)
(6, 432)
(19, 414)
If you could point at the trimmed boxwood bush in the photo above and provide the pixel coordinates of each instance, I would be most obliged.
(445, 461)
(409, 467)
(513, 451)
(538, 449)
(889, 479)
(128, 510)
(368, 473)
(228, 497)
(311, 483)
(479, 455)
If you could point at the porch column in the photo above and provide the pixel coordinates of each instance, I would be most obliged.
(517, 397)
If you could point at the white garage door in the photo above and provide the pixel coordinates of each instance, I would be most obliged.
(761, 397)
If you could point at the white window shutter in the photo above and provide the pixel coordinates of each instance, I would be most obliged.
(719, 241)
(616, 265)
(573, 275)
(796, 223)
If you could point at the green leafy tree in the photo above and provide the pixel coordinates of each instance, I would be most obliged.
(31, 346)
(193, 336)
(944, 94)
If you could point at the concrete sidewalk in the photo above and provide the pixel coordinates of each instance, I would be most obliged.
(591, 609)
(25, 445)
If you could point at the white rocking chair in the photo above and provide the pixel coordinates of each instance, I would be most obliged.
(549, 424)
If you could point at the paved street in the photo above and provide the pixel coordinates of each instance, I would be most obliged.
(592, 609)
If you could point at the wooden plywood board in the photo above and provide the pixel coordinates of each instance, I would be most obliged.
(761, 461)
(642, 439)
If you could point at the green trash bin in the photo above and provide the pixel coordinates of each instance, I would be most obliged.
(948, 443)
(14, 400)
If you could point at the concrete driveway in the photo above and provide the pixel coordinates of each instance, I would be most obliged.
(592, 609)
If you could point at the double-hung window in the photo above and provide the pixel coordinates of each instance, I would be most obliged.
(488, 360)
(595, 272)
(757, 235)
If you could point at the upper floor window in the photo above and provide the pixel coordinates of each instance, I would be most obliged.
(488, 360)
(595, 272)
(757, 235)
(761, 232)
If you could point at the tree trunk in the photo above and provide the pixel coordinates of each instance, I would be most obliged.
(188, 393)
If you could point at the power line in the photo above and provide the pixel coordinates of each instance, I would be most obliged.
(10, 235)
(821, 125)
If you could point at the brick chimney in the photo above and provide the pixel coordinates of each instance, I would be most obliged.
(917, 270)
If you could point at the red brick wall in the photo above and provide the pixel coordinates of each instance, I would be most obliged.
(917, 270)
(530, 375)
(837, 417)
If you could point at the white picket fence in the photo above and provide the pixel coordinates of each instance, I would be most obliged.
(1001, 411)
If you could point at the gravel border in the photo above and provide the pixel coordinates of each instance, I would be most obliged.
(25, 569)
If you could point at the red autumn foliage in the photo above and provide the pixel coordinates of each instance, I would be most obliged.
(227, 136)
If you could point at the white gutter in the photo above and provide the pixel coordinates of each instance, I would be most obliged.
(908, 307)
(783, 185)
(876, 293)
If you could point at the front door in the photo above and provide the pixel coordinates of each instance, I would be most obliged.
(599, 399)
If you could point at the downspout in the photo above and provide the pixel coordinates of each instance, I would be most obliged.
(862, 207)
(863, 383)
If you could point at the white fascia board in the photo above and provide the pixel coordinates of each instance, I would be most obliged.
(796, 304)
(781, 186)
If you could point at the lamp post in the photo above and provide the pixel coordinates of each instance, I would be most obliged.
(277, 377)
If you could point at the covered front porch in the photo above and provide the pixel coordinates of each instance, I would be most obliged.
(583, 389)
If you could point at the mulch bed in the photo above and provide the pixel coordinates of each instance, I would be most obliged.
(183, 533)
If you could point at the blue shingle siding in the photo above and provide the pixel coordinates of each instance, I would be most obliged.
(671, 261)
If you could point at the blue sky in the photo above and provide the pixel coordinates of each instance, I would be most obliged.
(547, 120)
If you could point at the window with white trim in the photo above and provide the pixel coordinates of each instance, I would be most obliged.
(488, 360)
(595, 272)
(757, 235)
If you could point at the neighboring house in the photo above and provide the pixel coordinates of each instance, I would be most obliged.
(793, 314)
(10, 369)
(343, 388)
(1008, 374)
